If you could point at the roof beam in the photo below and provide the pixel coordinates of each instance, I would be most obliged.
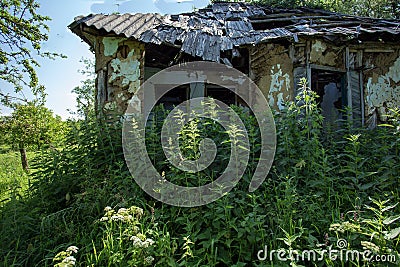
(295, 18)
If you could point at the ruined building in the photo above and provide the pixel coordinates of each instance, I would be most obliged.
(349, 61)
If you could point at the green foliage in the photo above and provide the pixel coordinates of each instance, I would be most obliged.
(86, 91)
(3, 139)
(13, 180)
(321, 183)
(375, 228)
(32, 125)
(376, 8)
(23, 31)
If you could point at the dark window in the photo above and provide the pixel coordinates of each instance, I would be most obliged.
(221, 93)
(174, 97)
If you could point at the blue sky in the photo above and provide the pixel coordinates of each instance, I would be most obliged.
(60, 76)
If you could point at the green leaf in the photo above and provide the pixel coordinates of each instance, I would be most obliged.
(367, 186)
(391, 219)
(390, 207)
(393, 233)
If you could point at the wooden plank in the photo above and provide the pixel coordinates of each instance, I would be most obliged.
(294, 18)
(279, 15)
(377, 50)
(348, 76)
(339, 24)
(298, 73)
(360, 56)
(356, 88)
(308, 66)
(327, 68)
(101, 89)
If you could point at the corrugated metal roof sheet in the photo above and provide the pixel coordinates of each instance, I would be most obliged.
(129, 25)
(222, 26)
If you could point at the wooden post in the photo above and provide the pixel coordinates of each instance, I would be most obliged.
(308, 65)
(24, 158)
(361, 77)
(348, 76)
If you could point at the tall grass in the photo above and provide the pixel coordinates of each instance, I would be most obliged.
(13, 180)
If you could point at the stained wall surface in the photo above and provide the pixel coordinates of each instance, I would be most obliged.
(120, 70)
(381, 83)
(272, 70)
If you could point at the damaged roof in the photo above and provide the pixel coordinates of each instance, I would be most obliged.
(223, 26)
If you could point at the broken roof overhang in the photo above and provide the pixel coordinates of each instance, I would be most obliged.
(224, 26)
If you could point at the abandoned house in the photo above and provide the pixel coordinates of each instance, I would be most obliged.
(350, 62)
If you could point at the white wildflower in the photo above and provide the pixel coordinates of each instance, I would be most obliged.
(108, 208)
(122, 210)
(72, 249)
(69, 260)
(133, 238)
(370, 246)
(137, 242)
(117, 218)
(136, 210)
(104, 219)
(148, 242)
(148, 260)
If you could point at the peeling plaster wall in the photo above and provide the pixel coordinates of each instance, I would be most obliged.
(382, 84)
(272, 71)
(326, 54)
(119, 67)
(120, 71)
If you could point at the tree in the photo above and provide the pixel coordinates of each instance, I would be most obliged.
(367, 8)
(22, 30)
(31, 125)
(85, 92)
(2, 126)
(364, 8)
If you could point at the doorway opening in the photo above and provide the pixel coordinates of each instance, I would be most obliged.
(330, 87)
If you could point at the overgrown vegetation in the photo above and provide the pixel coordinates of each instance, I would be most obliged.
(83, 207)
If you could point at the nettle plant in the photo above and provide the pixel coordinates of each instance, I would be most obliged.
(192, 133)
(375, 228)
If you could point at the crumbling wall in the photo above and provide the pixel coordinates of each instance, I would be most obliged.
(326, 54)
(119, 68)
(272, 71)
(381, 84)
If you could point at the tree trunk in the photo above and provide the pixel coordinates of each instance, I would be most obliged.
(24, 159)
